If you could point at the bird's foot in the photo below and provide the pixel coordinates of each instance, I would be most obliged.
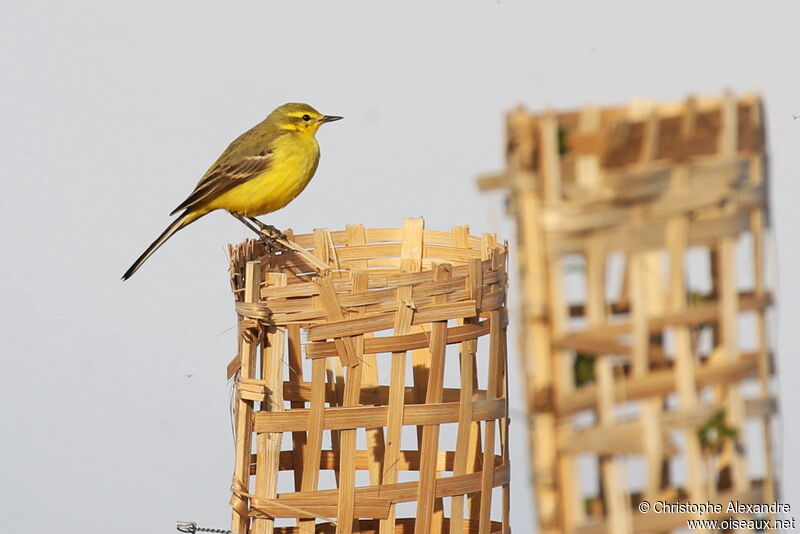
(272, 238)
(273, 233)
(273, 244)
(267, 229)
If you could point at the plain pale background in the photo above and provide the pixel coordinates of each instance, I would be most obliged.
(113, 398)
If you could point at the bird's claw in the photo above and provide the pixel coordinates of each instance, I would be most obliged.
(274, 245)
(272, 240)
(272, 232)
(268, 230)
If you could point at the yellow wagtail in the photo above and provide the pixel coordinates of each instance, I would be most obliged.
(264, 169)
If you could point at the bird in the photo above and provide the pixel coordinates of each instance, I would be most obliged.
(260, 172)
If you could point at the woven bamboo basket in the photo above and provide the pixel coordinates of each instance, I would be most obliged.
(371, 383)
(639, 362)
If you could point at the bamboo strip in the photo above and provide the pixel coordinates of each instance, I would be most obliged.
(345, 345)
(650, 303)
(702, 232)
(734, 412)
(614, 493)
(299, 439)
(758, 223)
(342, 418)
(429, 519)
(375, 395)
(409, 460)
(376, 445)
(306, 315)
(393, 493)
(625, 437)
(695, 315)
(456, 334)
(489, 252)
(571, 504)
(656, 383)
(410, 261)
(493, 392)
(243, 412)
(335, 377)
(467, 351)
(268, 445)
(570, 220)
(536, 342)
(403, 526)
(378, 235)
(311, 466)
(374, 300)
(346, 505)
(389, 279)
(353, 327)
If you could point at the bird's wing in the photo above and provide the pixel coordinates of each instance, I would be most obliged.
(224, 176)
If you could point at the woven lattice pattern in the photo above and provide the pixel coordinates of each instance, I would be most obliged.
(377, 386)
(626, 358)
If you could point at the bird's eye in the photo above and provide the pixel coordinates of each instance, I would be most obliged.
(306, 118)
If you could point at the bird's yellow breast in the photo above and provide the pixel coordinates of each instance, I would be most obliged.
(295, 157)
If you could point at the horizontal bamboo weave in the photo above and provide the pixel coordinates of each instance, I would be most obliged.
(655, 369)
(376, 385)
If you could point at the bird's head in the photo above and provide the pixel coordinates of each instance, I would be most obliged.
(299, 117)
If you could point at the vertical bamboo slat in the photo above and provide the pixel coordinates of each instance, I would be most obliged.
(244, 409)
(268, 444)
(385, 293)
(643, 354)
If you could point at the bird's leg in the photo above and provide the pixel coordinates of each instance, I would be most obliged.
(247, 223)
(267, 229)
(269, 235)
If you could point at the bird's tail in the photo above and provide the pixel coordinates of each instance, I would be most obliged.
(186, 218)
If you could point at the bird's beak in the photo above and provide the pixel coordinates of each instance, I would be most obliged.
(330, 118)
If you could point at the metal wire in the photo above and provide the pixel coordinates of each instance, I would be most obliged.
(190, 527)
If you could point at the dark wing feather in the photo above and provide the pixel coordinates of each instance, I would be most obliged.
(224, 177)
